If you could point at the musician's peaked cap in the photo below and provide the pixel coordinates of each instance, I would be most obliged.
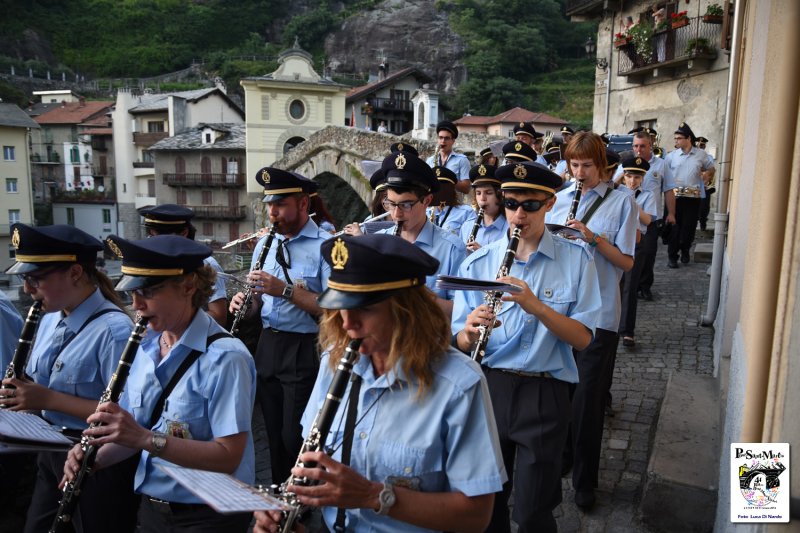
(39, 247)
(519, 151)
(148, 262)
(612, 159)
(308, 185)
(685, 130)
(404, 171)
(486, 151)
(446, 125)
(483, 175)
(403, 147)
(279, 183)
(525, 128)
(444, 174)
(635, 164)
(369, 268)
(528, 176)
(567, 130)
(166, 217)
(701, 140)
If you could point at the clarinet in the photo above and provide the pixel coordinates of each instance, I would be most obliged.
(72, 490)
(493, 300)
(316, 437)
(16, 368)
(476, 227)
(397, 228)
(573, 208)
(248, 291)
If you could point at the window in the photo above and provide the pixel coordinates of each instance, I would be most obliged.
(180, 197)
(155, 127)
(71, 216)
(8, 153)
(11, 185)
(206, 198)
(207, 138)
(649, 123)
(148, 157)
(151, 187)
(74, 156)
(208, 229)
(13, 216)
(106, 216)
(297, 109)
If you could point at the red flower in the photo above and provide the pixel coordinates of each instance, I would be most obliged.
(679, 16)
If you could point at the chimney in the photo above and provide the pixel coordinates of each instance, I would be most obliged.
(383, 70)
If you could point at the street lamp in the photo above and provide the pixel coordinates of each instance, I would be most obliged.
(591, 51)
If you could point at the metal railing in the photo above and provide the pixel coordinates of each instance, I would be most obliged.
(203, 180)
(391, 103)
(670, 47)
(219, 212)
(149, 138)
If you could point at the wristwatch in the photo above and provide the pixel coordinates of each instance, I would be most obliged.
(595, 240)
(386, 498)
(159, 441)
(288, 291)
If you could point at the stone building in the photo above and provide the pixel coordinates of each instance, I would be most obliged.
(285, 107)
(503, 124)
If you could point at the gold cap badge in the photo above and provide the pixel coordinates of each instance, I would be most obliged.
(400, 147)
(114, 248)
(520, 172)
(400, 161)
(521, 124)
(438, 171)
(339, 255)
(638, 160)
(518, 147)
(265, 176)
(15, 238)
(482, 170)
(683, 125)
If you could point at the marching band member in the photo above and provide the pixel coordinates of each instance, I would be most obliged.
(445, 211)
(10, 328)
(445, 156)
(607, 220)
(425, 455)
(528, 363)
(169, 219)
(486, 188)
(78, 344)
(286, 289)
(189, 395)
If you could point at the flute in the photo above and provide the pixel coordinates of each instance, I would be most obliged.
(368, 219)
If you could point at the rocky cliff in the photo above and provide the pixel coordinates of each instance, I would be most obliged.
(409, 33)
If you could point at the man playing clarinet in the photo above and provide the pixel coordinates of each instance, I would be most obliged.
(528, 359)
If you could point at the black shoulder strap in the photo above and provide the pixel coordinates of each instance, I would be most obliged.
(597, 203)
(347, 442)
(88, 321)
(193, 356)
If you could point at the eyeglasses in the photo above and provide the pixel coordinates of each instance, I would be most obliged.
(148, 292)
(34, 280)
(529, 206)
(445, 138)
(404, 206)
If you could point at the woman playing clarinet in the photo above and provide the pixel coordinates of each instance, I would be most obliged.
(493, 225)
(189, 395)
(79, 341)
(415, 422)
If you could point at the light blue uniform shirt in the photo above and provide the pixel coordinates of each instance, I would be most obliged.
(562, 275)
(658, 180)
(219, 285)
(457, 217)
(486, 234)
(458, 163)
(645, 200)
(616, 221)
(686, 167)
(446, 440)
(561, 167)
(213, 399)
(308, 270)
(10, 328)
(441, 245)
(84, 367)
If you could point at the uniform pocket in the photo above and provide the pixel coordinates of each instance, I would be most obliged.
(558, 298)
(416, 468)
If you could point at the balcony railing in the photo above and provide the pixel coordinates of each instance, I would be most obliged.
(147, 139)
(393, 104)
(144, 164)
(84, 196)
(690, 45)
(102, 171)
(203, 180)
(219, 212)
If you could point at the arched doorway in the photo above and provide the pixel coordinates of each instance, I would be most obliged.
(344, 204)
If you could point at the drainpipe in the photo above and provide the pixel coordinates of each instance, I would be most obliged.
(721, 215)
(608, 70)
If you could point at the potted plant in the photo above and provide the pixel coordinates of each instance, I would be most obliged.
(661, 27)
(679, 19)
(701, 45)
(641, 36)
(713, 14)
(620, 40)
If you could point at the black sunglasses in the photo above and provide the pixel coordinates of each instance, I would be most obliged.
(529, 206)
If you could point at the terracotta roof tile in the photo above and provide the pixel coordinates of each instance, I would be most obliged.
(74, 112)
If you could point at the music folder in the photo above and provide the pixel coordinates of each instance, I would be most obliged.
(469, 284)
(22, 432)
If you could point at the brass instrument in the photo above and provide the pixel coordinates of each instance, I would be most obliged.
(474, 232)
(318, 434)
(493, 299)
(548, 138)
(16, 368)
(72, 490)
(248, 292)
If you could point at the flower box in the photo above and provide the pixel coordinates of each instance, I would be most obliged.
(712, 19)
(619, 43)
(679, 23)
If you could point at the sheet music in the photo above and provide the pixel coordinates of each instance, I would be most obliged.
(28, 427)
(224, 493)
(468, 284)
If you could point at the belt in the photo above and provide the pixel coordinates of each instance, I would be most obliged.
(687, 192)
(280, 332)
(175, 506)
(521, 373)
